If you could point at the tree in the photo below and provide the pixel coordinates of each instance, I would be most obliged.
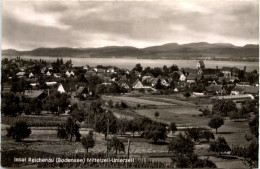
(159, 85)
(156, 114)
(133, 126)
(78, 115)
(199, 87)
(155, 131)
(216, 122)
(174, 68)
(19, 131)
(252, 77)
(10, 104)
(224, 106)
(220, 145)
(181, 145)
(104, 120)
(122, 125)
(88, 141)
(193, 133)
(62, 134)
(72, 129)
(157, 72)
(138, 68)
(207, 135)
(172, 127)
(254, 126)
(116, 144)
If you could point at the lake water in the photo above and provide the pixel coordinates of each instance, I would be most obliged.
(129, 63)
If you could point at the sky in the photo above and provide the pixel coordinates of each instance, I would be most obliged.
(27, 25)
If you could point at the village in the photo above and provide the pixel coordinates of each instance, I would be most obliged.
(40, 77)
(161, 104)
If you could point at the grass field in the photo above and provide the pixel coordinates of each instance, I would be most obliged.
(135, 100)
(182, 116)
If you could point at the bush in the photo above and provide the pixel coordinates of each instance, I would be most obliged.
(205, 112)
(193, 133)
(19, 131)
(207, 135)
(172, 127)
(186, 94)
(220, 145)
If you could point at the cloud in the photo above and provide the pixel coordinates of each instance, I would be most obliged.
(32, 24)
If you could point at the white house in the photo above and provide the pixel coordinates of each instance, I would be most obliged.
(48, 73)
(164, 82)
(31, 75)
(57, 75)
(61, 89)
(111, 70)
(138, 85)
(182, 77)
(67, 73)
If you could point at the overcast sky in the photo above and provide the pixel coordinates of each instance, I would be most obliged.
(27, 25)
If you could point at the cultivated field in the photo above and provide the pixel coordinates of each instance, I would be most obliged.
(183, 111)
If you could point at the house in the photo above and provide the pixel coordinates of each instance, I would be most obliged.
(243, 84)
(82, 91)
(61, 89)
(86, 67)
(193, 78)
(65, 88)
(33, 94)
(137, 85)
(31, 75)
(138, 74)
(164, 82)
(188, 71)
(182, 78)
(51, 83)
(111, 70)
(91, 72)
(209, 73)
(227, 72)
(245, 90)
(6, 89)
(22, 69)
(20, 74)
(227, 80)
(48, 73)
(67, 73)
(153, 81)
(200, 65)
(43, 70)
(125, 85)
(72, 73)
(99, 70)
(57, 75)
(235, 98)
(215, 89)
(147, 76)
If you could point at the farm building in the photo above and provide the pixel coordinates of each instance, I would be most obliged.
(236, 98)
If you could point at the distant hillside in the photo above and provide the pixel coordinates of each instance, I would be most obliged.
(170, 51)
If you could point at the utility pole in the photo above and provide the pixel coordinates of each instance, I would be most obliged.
(128, 148)
(107, 134)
